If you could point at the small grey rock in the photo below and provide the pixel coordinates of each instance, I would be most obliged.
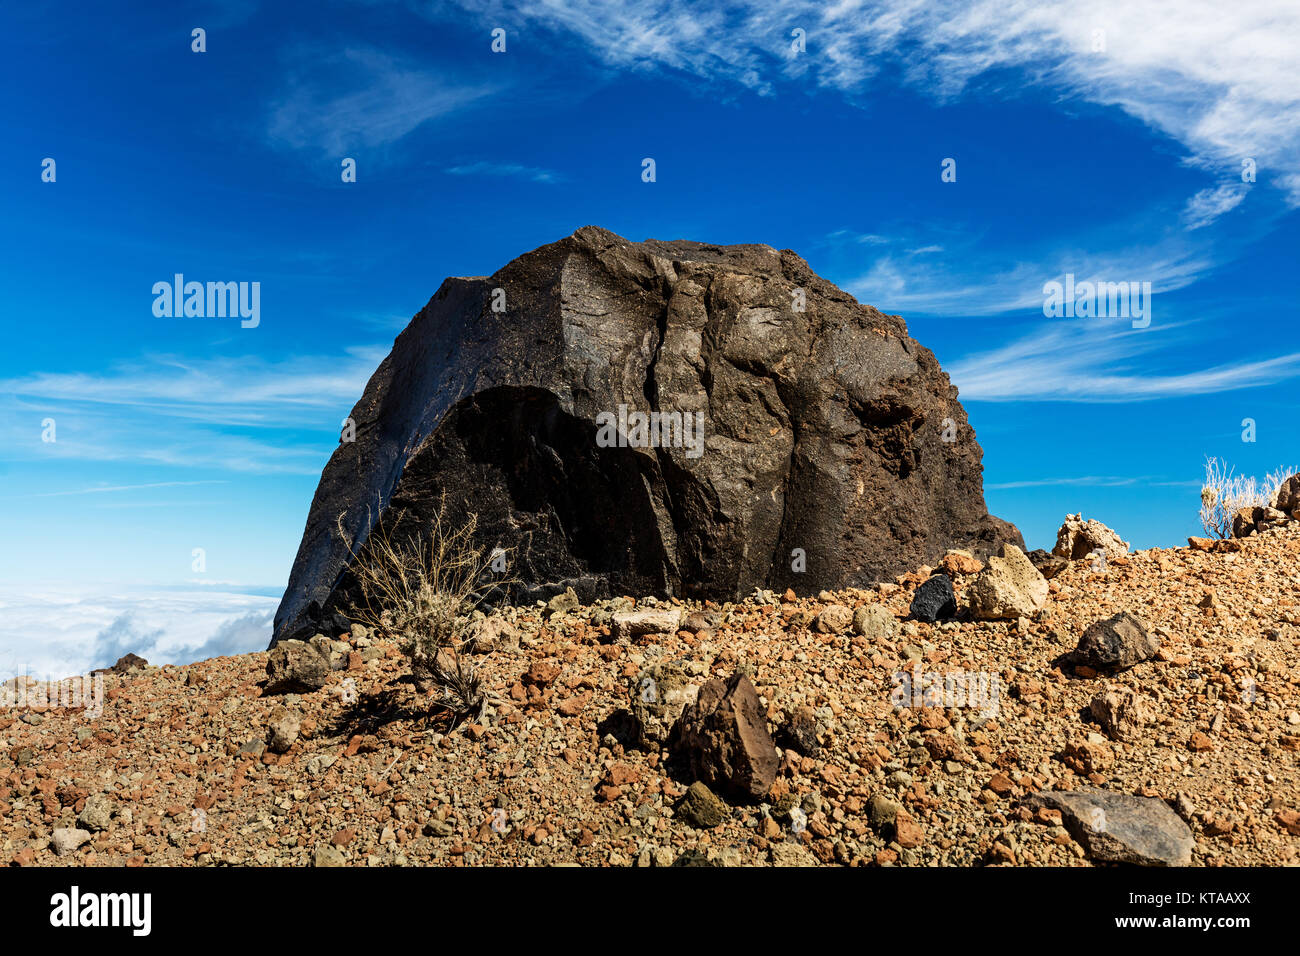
(433, 827)
(881, 810)
(98, 812)
(293, 665)
(1119, 828)
(659, 694)
(562, 603)
(789, 854)
(328, 855)
(833, 619)
(68, 839)
(702, 808)
(283, 727)
(874, 623)
(630, 624)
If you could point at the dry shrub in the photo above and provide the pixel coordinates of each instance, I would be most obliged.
(1223, 494)
(420, 588)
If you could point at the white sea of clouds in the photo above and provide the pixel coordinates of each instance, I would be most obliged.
(54, 633)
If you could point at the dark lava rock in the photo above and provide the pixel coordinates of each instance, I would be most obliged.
(801, 732)
(781, 807)
(126, 664)
(1245, 521)
(293, 665)
(724, 738)
(1116, 643)
(1119, 828)
(700, 807)
(1049, 565)
(823, 430)
(934, 600)
(1287, 497)
(1248, 521)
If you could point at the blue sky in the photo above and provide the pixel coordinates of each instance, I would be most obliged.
(172, 434)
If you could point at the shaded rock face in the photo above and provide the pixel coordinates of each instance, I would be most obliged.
(823, 430)
(294, 665)
(125, 665)
(802, 732)
(1048, 565)
(1247, 521)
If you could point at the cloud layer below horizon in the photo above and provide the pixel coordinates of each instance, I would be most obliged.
(61, 633)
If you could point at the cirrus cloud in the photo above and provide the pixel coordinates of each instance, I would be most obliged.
(1223, 84)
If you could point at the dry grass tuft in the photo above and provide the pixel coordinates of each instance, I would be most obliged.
(421, 588)
(1223, 494)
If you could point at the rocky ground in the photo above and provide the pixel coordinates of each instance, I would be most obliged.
(569, 763)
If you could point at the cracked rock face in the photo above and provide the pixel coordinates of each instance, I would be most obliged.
(825, 428)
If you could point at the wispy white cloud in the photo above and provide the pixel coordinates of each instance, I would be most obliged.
(681, 35)
(841, 236)
(967, 281)
(1095, 361)
(113, 489)
(242, 414)
(362, 98)
(246, 390)
(1223, 84)
(1086, 481)
(507, 170)
(1091, 481)
(1209, 204)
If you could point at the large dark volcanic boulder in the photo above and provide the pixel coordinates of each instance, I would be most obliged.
(824, 430)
